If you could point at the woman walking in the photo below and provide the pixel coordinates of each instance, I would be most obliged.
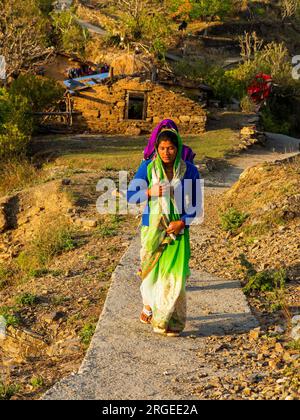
(165, 250)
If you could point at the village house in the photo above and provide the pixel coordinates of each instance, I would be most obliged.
(129, 102)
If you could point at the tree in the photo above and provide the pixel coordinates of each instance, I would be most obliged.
(23, 36)
(144, 22)
(71, 37)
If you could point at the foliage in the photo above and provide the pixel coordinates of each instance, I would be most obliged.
(9, 315)
(289, 8)
(37, 381)
(46, 6)
(15, 128)
(86, 333)
(264, 281)
(57, 237)
(7, 391)
(137, 25)
(71, 37)
(26, 299)
(24, 34)
(232, 219)
(273, 124)
(40, 92)
(294, 345)
(196, 9)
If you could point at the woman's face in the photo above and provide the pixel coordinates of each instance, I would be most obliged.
(167, 151)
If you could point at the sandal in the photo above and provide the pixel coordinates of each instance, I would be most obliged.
(166, 332)
(146, 316)
(159, 331)
(173, 333)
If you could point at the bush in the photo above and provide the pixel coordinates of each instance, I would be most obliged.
(195, 9)
(27, 94)
(7, 391)
(224, 83)
(266, 281)
(26, 299)
(272, 123)
(15, 126)
(40, 92)
(232, 219)
(86, 333)
(9, 316)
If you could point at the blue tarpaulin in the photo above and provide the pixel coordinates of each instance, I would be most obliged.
(85, 80)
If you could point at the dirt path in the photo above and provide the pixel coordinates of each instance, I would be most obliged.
(277, 147)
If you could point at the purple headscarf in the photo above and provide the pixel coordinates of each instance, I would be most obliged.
(187, 153)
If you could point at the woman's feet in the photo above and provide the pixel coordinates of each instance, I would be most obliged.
(146, 316)
(167, 333)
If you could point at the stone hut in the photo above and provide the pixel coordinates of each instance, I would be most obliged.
(133, 105)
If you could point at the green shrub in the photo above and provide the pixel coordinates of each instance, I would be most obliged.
(40, 92)
(37, 381)
(294, 345)
(196, 9)
(86, 333)
(26, 299)
(9, 315)
(7, 391)
(266, 281)
(232, 219)
(272, 123)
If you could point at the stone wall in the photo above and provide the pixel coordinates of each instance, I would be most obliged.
(103, 109)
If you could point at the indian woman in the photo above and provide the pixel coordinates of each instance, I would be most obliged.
(171, 206)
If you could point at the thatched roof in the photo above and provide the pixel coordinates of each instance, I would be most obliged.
(128, 64)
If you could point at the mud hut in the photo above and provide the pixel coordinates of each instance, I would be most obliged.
(133, 105)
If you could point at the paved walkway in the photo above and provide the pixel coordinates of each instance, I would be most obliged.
(127, 361)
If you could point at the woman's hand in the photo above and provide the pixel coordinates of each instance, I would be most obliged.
(176, 227)
(157, 190)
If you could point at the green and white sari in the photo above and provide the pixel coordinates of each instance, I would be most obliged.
(165, 258)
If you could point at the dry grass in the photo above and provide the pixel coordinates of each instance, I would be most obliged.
(267, 192)
(16, 175)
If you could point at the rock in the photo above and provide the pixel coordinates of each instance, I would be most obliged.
(133, 131)
(184, 118)
(279, 348)
(86, 223)
(3, 218)
(53, 317)
(295, 333)
(296, 320)
(254, 334)
(66, 181)
(65, 347)
(21, 344)
(278, 329)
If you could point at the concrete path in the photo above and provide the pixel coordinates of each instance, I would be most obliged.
(127, 361)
